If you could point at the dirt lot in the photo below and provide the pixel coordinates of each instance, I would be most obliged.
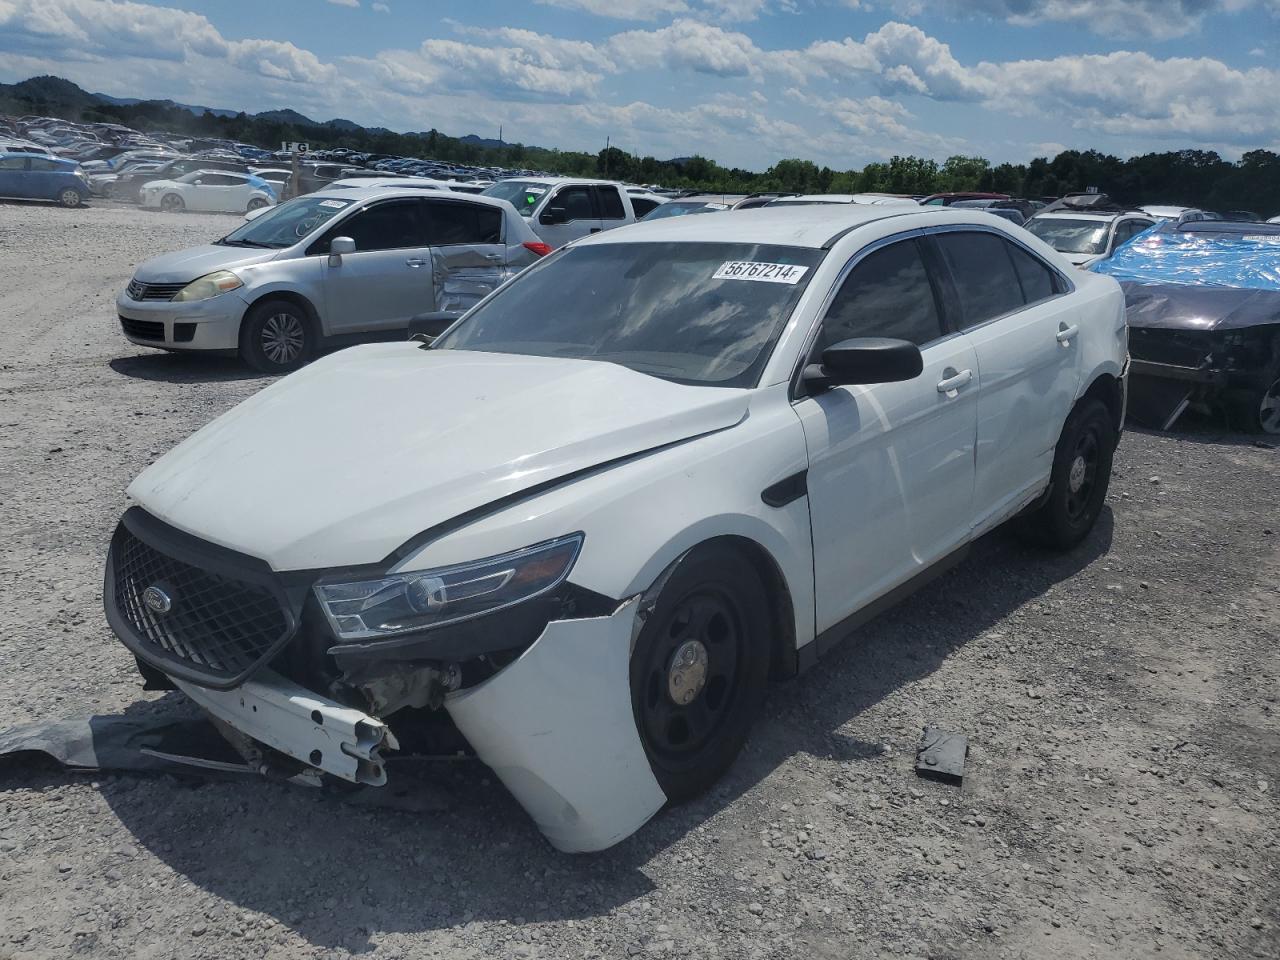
(1121, 702)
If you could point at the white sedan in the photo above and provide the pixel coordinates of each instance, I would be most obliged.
(594, 518)
(215, 191)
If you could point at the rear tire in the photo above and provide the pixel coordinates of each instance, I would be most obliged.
(1079, 480)
(69, 198)
(172, 203)
(700, 669)
(276, 336)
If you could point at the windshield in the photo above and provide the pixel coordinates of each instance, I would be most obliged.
(1070, 236)
(521, 194)
(697, 313)
(678, 209)
(285, 225)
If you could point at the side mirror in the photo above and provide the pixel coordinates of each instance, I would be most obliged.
(339, 246)
(553, 215)
(864, 360)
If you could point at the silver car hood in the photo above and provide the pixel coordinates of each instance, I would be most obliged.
(342, 462)
(187, 265)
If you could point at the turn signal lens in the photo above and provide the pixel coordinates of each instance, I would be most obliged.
(541, 249)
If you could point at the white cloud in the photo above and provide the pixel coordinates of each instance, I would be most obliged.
(623, 9)
(345, 3)
(379, 7)
(689, 45)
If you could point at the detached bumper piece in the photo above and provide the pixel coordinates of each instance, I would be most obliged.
(304, 725)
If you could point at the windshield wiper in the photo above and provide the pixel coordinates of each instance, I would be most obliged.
(246, 243)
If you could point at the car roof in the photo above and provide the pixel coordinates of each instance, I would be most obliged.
(815, 225)
(1088, 215)
(358, 194)
(556, 180)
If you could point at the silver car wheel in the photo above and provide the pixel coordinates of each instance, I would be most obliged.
(282, 338)
(69, 197)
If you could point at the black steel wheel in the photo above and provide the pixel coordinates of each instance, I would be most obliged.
(699, 671)
(1079, 481)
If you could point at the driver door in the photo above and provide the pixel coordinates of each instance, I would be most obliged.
(891, 465)
(389, 277)
(581, 216)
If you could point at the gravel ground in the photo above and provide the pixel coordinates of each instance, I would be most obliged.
(1121, 704)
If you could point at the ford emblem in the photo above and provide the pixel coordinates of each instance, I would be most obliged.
(157, 600)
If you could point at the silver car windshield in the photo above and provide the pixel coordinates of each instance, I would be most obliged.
(699, 313)
(286, 224)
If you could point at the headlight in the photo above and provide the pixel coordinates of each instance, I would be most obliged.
(403, 602)
(208, 286)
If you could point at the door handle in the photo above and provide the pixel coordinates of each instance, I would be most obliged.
(955, 382)
(1065, 333)
(415, 262)
(494, 257)
(595, 229)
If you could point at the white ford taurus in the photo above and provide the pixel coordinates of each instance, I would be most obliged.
(586, 526)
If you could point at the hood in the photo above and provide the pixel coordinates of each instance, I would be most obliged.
(187, 265)
(341, 463)
(1182, 306)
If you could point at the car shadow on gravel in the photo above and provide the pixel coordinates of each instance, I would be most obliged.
(334, 872)
(185, 368)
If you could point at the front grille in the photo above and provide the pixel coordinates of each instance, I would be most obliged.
(1183, 348)
(217, 626)
(143, 329)
(138, 291)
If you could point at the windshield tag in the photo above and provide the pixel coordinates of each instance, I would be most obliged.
(536, 191)
(337, 204)
(765, 272)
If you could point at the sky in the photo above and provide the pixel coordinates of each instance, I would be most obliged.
(743, 82)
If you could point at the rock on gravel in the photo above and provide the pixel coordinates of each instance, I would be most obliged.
(820, 843)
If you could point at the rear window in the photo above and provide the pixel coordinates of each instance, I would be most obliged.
(453, 222)
(1070, 236)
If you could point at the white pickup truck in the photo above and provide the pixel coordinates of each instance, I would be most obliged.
(561, 209)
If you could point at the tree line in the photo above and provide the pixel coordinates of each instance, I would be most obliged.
(1199, 178)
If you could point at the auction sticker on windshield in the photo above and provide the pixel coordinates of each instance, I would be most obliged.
(755, 270)
(339, 204)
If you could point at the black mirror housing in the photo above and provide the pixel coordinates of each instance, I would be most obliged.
(865, 360)
(553, 215)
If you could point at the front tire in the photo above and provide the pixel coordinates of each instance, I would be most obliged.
(1258, 411)
(700, 669)
(69, 198)
(256, 203)
(1079, 481)
(172, 203)
(276, 336)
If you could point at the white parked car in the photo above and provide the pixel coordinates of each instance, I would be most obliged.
(561, 209)
(1086, 238)
(335, 263)
(593, 518)
(873, 199)
(211, 191)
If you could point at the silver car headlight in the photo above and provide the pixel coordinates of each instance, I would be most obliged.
(210, 285)
(404, 602)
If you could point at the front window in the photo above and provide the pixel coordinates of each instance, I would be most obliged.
(1070, 236)
(678, 209)
(706, 314)
(286, 224)
(524, 195)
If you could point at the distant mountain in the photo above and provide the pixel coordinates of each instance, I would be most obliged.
(193, 108)
(56, 95)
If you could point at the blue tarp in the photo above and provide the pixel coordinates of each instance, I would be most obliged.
(1164, 254)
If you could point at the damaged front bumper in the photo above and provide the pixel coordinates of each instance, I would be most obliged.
(311, 729)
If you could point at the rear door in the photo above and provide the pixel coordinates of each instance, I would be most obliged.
(1014, 309)
(580, 216)
(389, 277)
(14, 179)
(468, 256)
(614, 211)
(45, 178)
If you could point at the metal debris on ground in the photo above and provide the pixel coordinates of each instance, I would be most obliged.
(942, 755)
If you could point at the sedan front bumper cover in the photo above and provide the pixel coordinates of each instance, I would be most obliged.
(557, 728)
